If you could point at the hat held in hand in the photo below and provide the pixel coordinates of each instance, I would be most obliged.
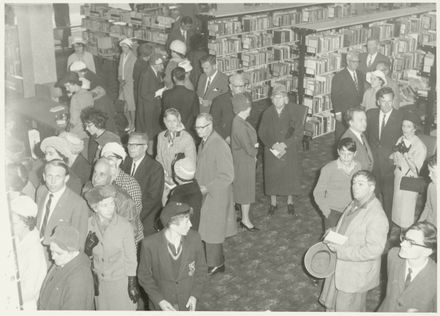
(319, 261)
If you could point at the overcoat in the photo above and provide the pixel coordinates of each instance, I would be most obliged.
(148, 108)
(126, 92)
(244, 153)
(282, 176)
(222, 114)
(215, 171)
(156, 273)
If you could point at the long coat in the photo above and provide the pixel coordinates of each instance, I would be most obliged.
(282, 176)
(156, 274)
(148, 107)
(69, 287)
(222, 114)
(421, 293)
(215, 171)
(244, 153)
(126, 92)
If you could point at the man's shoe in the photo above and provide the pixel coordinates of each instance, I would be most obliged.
(272, 209)
(290, 209)
(214, 270)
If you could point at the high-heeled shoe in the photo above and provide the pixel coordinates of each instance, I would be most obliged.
(249, 229)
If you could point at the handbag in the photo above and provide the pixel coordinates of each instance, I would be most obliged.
(413, 184)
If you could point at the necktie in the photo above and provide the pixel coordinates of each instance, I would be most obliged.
(207, 86)
(46, 215)
(133, 169)
(364, 140)
(355, 80)
(408, 278)
(382, 126)
(370, 59)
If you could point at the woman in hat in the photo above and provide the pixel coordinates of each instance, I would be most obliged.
(244, 146)
(186, 64)
(114, 256)
(173, 143)
(377, 80)
(408, 158)
(126, 83)
(172, 265)
(178, 52)
(30, 253)
(80, 54)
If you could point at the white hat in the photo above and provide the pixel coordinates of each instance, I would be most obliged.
(185, 168)
(115, 149)
(78, 40)
(127, 42)
(178, 47)
(77, 66)
(186, 64)
(24, 206)
(377, 73)
(76, 144)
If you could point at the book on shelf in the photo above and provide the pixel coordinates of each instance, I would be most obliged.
(259, 22)
(229, 63)
(320, 84)
(225, 46)
(286, 18)
(283, 36)
(325, 63)
(224, 27)
(428, 62)
(250, 41)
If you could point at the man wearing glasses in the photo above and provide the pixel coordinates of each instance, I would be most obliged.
(214, 173)
(149, 173)
(412, 274)
(347, 90)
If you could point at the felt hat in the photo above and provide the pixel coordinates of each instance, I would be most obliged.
(24, 206)
(77, 66)
(126, 41)
(76, 143)
(412, 117)
(376, 73)
(319, 261)
(60, 144)
(241, 102)
(99, 193)
(173, 209)
(156, 59)
(186, 64)
(185, 168)
(115, 149)
(66, 237)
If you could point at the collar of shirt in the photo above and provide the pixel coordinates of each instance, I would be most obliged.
(387, 116)
(372, 56)
(414, 271)
(352, 73)
(137, 162)
(56, 197)
(358, 135)
(212, 76)
(154, 70)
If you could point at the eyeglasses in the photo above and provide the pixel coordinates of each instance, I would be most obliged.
(202, 127)
(135, 144)
(411, 242)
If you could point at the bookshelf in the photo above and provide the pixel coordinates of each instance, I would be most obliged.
(321, 47)
(429, 70)
(13, 71)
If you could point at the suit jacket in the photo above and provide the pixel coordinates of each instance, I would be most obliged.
(150, 176)
(81, 166)
(176, 34)
(183, 100)
(222, 113)
(421, 293)
(380, 58)
(156, 275)
(217, 87)
(383, 147)
(358, 259)
(363, 153)
(344, 94)
(71, 208)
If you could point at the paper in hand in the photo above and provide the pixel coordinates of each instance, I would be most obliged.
(335, 238)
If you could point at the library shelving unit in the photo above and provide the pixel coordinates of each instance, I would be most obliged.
(13, 73)
(322, 47)
(429, 70)
(258, 39)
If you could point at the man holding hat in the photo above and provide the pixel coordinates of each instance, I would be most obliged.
(221, 108)
(281, 131)
(149, 99)
(69, 282)
(187, 189)
(172, 265)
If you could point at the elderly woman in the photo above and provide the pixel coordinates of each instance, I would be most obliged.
(114, 256)
(178, 52)
(80, 54)
(76, 162)
(244, 146)
(377, 80)
(173, 143)
(30, 253)
(332, 192)
(409, 155)
(126, 82)
(186, 65)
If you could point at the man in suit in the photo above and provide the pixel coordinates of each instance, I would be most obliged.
(149, 173)
(358, 259)
(357, 120)
(347, 90)
(173, 285)
(148, 106)
(182, 99)
(412, 274)
(369, 60)
(211, 83)
(182, 32)
(384, 127)
(221, 109)
(58, 204)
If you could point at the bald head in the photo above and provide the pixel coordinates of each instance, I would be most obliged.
(102, 174)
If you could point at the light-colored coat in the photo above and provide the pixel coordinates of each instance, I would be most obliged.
(126, 92)
(215, 171)
(358, 259)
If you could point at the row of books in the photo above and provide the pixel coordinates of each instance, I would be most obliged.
(225, 46)
(322, 123)
(284, 36)
(251, 23)
(285, 52)
(257, 40)
(228, 64)
(318, 104)
(381, 31)
(281, 69)
(224, 27)
(323, 64)
(410, 60)
(256, 58)
(318, 85)
(324, 43)
(319, 13)
(262, 90)
(428, 62)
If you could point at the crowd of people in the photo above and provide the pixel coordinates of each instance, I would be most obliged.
(110, 226)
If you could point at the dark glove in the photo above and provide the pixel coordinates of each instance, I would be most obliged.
(95, 283)
(91, 241)
(133, 290)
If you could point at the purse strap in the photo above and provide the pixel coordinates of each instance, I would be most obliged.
(409, 169)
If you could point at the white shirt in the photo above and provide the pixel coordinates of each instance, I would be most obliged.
(56, 197)
(183, 33)
(381, 115)
(371, 58)
(414, 271)
(137, 163)
(353, 75)
(358, 135)
(210, 79)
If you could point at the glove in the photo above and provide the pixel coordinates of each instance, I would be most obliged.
(91, 241)
(133, 291)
